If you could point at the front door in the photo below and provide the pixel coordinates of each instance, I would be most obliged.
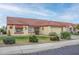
(36, 29)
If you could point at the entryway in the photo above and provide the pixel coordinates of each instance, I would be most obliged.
(36, 30)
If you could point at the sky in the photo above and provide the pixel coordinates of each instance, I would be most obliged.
(62, 12)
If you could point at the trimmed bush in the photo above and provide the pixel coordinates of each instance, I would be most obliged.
(9, 40)
(33, 38)
(54, 38)
(65, 35)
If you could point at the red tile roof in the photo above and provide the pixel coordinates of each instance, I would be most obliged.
(35, 22)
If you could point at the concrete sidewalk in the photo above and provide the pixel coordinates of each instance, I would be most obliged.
(37, 47)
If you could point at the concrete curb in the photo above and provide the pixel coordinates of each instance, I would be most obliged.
(35, 48)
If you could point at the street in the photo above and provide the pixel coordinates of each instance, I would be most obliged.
(68, 50)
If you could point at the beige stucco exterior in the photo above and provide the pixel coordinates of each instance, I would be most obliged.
(28, 26)
(65, 28)
(56, 29)
(48, 29)
(45, 30)
(12, 30)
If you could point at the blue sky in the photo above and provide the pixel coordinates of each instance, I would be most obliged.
(62, 12)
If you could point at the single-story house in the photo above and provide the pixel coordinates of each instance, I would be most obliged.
(27, 26)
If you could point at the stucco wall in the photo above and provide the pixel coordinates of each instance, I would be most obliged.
(65, 29)
(56, 29)
(48, 29)
(45, 30)
(12, 31)
(25, 30)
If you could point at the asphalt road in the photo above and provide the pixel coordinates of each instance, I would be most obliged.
(68, 50)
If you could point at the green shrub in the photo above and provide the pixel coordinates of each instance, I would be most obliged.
(9, 40)
(65, 35)
(54, 38)
(33, 38)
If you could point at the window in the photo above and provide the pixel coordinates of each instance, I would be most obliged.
(30, 29)
(19, 30)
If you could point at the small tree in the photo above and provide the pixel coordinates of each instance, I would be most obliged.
(3, 30)
(77, 26)
(65, 35)
(33, 38)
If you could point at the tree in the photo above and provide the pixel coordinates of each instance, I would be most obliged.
(77, 26)
(3, 30)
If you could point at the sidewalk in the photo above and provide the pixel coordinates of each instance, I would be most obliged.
(37, 47)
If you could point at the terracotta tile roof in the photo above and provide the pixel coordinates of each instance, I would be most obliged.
(35, 22)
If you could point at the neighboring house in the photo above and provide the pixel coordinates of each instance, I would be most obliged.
(27, 26)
